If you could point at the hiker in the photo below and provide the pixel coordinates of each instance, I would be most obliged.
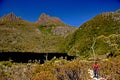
(95, 69)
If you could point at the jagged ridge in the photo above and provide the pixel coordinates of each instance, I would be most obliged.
(46, 20)
(11, 17)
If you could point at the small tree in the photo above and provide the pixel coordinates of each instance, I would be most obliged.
(113, 41)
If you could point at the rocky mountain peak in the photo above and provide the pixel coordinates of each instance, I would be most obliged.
(11, 16)
(44, 15)
(46, 20)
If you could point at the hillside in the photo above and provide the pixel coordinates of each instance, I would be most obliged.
(17, 35)
(103, 32)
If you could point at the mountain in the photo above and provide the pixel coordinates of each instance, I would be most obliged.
(55, 25)
(45, 20)
(50, 34)
(11, 17)
(88, 37)
(17, 35)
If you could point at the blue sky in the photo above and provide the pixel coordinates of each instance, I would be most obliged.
(72, 12)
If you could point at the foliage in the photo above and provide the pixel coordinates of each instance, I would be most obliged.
(44, 75)
(113, 42)
(60, 69)
(80, 42)
(110, 69)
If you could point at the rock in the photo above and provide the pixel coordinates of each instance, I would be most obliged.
(46, 20)
(10, 17)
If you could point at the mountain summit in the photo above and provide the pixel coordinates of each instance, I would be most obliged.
(46, 20)
(11, 17)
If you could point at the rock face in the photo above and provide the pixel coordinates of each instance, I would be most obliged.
(11, 17)
(64, 31)
(46, 20)
(114, 15)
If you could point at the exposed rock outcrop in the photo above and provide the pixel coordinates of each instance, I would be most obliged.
(65, 31)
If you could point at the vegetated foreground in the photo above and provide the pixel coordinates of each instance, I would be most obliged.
(59, 69)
